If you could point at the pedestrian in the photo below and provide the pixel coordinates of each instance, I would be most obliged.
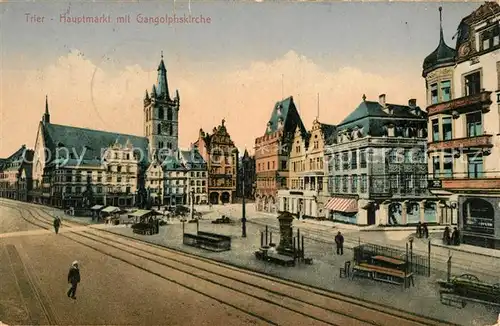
(57, 224)
(446, 236)
(73, 279)
(419, 230)
(339, 241)
(425, 230)
(455, 237)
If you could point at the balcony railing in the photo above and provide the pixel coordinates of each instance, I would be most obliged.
(462, 104)
(483, 141)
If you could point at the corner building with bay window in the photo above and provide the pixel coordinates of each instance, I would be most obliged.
(463, 96)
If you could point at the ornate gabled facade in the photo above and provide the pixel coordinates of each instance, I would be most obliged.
(464, 124)
(376, 166)
(161, 116)
(16, 174)
(272, 152)
(307, 185)
(221, 156)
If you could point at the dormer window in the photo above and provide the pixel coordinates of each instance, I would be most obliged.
(490, 38)
(390, 130)
(280, 123)
(279, 108)
(269, 126)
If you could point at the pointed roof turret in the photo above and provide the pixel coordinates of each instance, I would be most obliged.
(46, 115)
(146, 96)
(153, 92)
(442, 56)
(162, 80)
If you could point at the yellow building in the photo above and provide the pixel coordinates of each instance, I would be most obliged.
(307, 186)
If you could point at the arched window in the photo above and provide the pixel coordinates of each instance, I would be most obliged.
(146, 116)
(169, 145)
(159, 128)
(169, 114)
(160, 113)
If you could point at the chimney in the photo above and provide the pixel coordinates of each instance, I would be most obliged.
(381, 99)
(412, 103)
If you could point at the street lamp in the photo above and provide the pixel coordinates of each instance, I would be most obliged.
(243, 203)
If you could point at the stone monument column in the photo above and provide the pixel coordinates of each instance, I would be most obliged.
(286, 231)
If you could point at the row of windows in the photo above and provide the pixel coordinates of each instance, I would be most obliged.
(441, 92)
(300, 184)
(314, 164)
(99, 190)
(99, 178)
(473, 122)
(404, 183)
(444, 168)
(349, 183)
(270, 182)
(161, 113)
(271, 166)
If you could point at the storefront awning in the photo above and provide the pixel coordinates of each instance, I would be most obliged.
(345, 205)
(140, 213)
(96, 207)
(111, 209)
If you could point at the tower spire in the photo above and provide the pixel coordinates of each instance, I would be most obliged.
(46, 115)
(441, 37)
(162, 86)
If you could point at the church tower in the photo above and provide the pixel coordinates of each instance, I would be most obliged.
(161, 113)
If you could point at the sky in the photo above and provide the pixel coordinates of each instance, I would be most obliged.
(235, 66)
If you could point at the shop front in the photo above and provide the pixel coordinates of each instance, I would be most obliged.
(480, 221)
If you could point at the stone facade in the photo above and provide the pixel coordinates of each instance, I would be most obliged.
(221, 156)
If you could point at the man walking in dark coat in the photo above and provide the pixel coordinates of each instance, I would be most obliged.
(339, 241)
(57, 224)
(73, 279)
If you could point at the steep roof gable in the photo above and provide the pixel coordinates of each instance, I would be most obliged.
(90, 142)
(286, 115)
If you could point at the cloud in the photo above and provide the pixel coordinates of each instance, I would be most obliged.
(98, 95)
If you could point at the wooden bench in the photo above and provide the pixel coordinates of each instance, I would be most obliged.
(449, 298)
(469, 288)
(384, 274)
(209, 241)
(275, 258)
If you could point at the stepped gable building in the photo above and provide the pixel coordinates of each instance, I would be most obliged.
(462, 86)
(161, 116)
(16, 174)
(307, 190)
(272, 152)
(221, 157)
(376, 166)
